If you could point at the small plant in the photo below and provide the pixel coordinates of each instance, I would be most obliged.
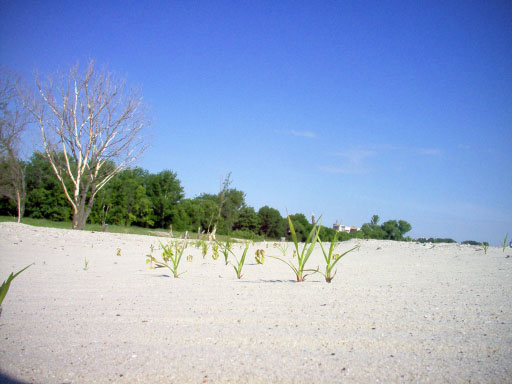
(118, 251)
(204, 248)
(150, 262)
(331, 259)
(307, 250)
(152, 248)
(260, 256)
(283, 247)
(86, 264)
(215, 250)
(171, 257)
(7, 284)
(225, 249)
(505, 242)
(485, 246)
(240, 263)
(190, 258)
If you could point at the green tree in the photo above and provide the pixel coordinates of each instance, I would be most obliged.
(404, 227)
(165, 191)
(120, 198)
(271, 222)
(247, 220)
(373, 231)
(392, 230)
(45, 197)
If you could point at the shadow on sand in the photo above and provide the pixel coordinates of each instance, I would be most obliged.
(6, 379)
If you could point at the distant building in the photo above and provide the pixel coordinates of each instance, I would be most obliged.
(344, 228)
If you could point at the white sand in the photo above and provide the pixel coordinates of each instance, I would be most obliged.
(396, 312)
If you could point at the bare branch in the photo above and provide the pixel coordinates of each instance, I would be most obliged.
(94, 120)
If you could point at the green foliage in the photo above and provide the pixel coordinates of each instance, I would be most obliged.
(171, 257)
(271, 222)
(485, 246)
(225, 249)
(164, 191)
(247, 220)
(390, 230)
(302, 256)
(373, 231)
(438, 240)
(204, 248)
(45, 197)
(135, 197)
(466, 242)
(331, 259)
(86, 264)
(4, 288)
(505, 242)
(239, 263)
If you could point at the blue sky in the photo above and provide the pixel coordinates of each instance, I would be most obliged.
(346, 109)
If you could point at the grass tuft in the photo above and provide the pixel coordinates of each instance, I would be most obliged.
(302, 256)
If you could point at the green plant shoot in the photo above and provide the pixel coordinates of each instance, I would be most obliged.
(171, 257)
(6, 285)
(505, 242)
(204, 248)
(282, 246)
(302, 256)
(240, 263)
(331, 259)
(225, 249)
(485, 246)
(86, 264)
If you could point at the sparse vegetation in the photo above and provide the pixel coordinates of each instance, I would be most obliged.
(225, 249)
(204, 248)
(331, 258)
(7, 284)
(240, 262)
(303, 255)
(171, 257)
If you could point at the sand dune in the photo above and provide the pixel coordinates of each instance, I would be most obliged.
(396, 312)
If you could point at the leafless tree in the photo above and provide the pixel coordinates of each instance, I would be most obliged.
(97, 125)
(13, 122)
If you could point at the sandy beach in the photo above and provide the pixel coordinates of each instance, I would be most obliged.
(396, 312)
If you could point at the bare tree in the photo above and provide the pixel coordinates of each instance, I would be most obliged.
(96, 123)
(13, 122)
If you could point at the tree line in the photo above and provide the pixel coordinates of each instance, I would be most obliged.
(135, 196)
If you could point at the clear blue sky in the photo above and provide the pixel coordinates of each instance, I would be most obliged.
(346, 109)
